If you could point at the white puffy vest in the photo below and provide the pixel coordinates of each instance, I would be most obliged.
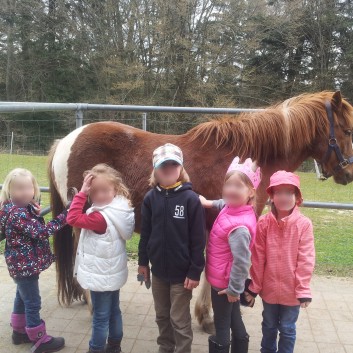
(101, 260)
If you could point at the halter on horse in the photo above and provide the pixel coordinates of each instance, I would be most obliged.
(333, 147)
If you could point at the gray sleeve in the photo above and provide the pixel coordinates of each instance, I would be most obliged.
(239, 241)
(218, 204)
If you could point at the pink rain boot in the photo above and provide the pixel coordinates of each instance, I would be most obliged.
(42, 343)
(18, 324)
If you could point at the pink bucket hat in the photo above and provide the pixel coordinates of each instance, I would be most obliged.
(249, 168)
(284, 178)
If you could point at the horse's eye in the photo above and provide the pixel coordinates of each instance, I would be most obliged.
(348, 132)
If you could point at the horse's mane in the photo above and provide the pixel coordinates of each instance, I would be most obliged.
(274, 132)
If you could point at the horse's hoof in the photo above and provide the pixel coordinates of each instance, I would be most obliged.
(208, 327)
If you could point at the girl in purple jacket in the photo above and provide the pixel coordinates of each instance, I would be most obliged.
(27, 254)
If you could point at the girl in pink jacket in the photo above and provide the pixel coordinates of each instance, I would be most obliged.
(283, 259)
(228, 254)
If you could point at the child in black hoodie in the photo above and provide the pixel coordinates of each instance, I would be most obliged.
(173, 240)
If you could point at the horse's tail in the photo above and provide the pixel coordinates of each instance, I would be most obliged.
(63, 241)
(203, 307)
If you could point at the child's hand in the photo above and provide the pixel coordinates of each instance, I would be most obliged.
(36, 207)
(249, 298)
(204, 202)
(190, 284)
(231, 298)
(145, 271)
(87, 182)
(304, 305)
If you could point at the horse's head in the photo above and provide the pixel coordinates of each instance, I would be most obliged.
(335, 149)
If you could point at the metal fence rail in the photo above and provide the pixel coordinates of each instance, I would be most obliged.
(17, 107)
(79, 108)
(308, 204)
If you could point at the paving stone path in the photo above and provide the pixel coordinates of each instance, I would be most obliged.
(325, 327)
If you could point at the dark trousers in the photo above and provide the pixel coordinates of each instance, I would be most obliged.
(227, 317)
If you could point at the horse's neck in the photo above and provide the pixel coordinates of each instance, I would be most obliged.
(207, 165)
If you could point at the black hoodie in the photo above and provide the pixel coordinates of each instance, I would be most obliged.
(173, 234)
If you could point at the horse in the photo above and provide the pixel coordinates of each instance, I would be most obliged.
(282, 136)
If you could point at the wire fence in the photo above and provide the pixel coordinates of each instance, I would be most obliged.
(31, 135)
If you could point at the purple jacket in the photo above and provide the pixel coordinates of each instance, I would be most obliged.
(27, 250)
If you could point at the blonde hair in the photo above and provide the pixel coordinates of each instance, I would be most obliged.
(113, 176)
(10, 177)
(245, 180)
(183, 177)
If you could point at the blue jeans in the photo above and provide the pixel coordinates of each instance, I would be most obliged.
(107, 320)
(27, 300)
(280, 318)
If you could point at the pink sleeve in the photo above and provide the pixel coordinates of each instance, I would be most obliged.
(76, 218)
(258, 260)
(305, 263)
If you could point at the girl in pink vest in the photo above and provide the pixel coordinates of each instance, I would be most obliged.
(283, 261)
(228, 254)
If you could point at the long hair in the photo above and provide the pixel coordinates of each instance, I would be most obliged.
(113, 176)
(11, 176)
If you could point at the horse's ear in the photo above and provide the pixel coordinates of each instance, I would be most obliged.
(337, 100)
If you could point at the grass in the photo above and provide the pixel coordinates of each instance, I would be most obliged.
(333, 228)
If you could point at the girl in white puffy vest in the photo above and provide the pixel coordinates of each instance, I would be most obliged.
(101, 261)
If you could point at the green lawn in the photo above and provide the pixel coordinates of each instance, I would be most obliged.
(333, 228)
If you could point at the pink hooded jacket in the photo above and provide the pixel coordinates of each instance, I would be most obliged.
(283, 259)
(219, 256)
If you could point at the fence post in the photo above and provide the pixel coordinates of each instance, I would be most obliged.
(144, 121)
(79, 117)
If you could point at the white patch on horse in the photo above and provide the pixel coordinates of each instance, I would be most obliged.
(59, 164)
(285, 109)
(130, 135)
(286, 116)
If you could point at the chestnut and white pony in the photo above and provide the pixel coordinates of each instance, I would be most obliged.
(279, 137)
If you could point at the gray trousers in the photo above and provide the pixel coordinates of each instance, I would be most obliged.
(172, 305)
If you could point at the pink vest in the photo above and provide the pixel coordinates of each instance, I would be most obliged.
(219, 256)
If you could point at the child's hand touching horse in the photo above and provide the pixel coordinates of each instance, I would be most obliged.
(204, 202)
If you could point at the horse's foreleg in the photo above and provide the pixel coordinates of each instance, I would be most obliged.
(203, 307)
(87, 299)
